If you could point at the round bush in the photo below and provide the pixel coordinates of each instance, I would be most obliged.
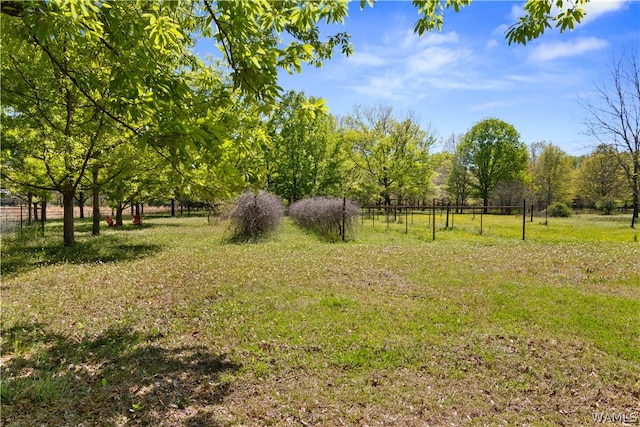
(324, 215)
(255, 214)
(607, 205)
(559, 210)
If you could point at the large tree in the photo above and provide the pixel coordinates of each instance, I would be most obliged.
(551, 172)
(302, 155)
(391, 155)
(493, 153)
(614, 118)
(459, 181)
(600, 180)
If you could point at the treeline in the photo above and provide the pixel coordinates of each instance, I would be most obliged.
(110, 101)
(373, 157)
(369, 156)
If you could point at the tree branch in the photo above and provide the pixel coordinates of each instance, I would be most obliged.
(84, 92)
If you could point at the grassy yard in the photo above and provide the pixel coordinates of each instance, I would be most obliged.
(169, 324)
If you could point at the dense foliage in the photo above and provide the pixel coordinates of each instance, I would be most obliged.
(493, 154)
(390, 156)
(559, 210)
(303, 155)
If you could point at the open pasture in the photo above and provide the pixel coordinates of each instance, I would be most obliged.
(170, 324)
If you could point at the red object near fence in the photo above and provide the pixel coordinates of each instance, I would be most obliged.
(109, 220)
(137, 220)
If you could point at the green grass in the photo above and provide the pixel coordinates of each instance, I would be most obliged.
(171, 323)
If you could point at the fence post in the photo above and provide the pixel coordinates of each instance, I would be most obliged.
(524, 216)
(453, 214)
(43, 214)
(433, 234)
(481, 215)
(446, 224)
(344, 214)
(406, 221)
(386, 216)
(531, 213)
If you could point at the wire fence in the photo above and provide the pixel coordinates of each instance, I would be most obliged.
(445, 212)
(14, 218)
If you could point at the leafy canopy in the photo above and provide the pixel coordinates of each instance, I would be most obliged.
(539, 15)
(492, 151)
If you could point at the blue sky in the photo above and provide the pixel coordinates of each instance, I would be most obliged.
(451, 79)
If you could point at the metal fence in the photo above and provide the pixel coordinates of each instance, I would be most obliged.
(13, 218)
(448, 210)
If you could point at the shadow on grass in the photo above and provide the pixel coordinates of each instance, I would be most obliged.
(85, 226)
(28, 252)
(117, 377)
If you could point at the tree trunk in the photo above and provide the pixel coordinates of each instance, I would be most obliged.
(119, 214)
(81, 203)
(68, 231)
(173, 207)
(35, 211)
(43, 214)
(95, 230)
(29, 203)
(634, 216)
(636, 191)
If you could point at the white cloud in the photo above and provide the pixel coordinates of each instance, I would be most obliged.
(487, 106)
(595, 8)
(500, 30)
(461, 82)
(545, 78)
(434, 59)
(524, 78)
(387, 86)
(551, 51)
(401, 70)
(365, 60)
(491, 44)
(517, 11)
(411, 40)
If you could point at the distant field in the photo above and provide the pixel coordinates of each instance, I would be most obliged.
(169, 324)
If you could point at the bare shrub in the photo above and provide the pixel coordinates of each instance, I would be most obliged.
(324, 215)
(255, 215)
